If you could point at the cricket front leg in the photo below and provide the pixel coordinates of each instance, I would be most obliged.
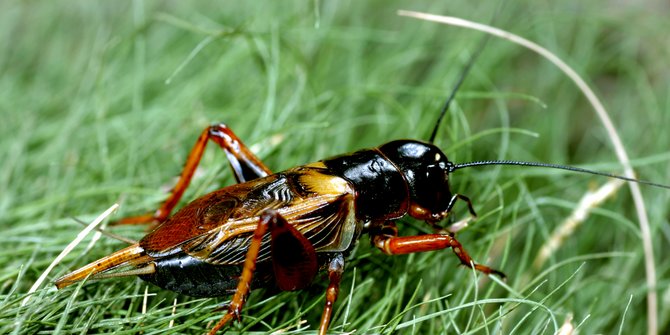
(246, 166)
(386, 240)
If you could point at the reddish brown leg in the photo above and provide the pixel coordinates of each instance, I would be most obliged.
(335, 270)
(293, 257)
(237, 302)
(394, 245)
(244, 163)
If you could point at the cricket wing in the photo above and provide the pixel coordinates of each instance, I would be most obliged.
(222, 208)
(327, 221)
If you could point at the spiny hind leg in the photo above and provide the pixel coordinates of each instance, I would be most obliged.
(293, 258)
(246, 166)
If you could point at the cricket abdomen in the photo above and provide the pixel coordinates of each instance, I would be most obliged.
(187, 275)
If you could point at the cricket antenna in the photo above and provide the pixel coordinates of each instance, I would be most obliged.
(460, 81)
(453, 167)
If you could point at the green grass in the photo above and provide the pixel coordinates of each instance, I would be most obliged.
(101, 102)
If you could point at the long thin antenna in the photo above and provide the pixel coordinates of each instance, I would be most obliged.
(454, 167)
(460, 81)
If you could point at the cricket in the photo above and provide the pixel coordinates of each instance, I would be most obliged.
(280, 229)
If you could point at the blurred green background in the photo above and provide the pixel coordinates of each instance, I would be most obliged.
(100, 102)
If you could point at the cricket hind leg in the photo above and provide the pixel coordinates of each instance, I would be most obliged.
(246, 166)
(294, 261)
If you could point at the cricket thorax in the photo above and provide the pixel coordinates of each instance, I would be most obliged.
(381, 190)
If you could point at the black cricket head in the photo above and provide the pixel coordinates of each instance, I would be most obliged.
(426, 170)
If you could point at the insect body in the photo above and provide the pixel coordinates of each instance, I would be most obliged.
(314, 214)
